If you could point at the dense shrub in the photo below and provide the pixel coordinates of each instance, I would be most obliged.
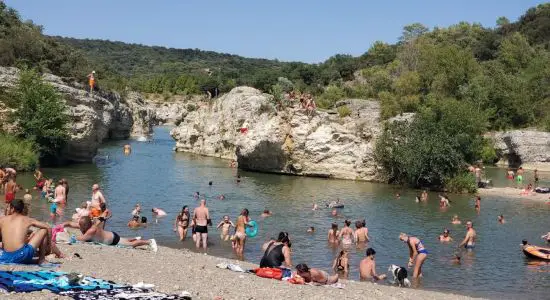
(41, 115)
(464, 182)
(437, 144)
(344, 111)
(17, 153)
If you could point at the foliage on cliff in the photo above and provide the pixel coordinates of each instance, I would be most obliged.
(17, 153)
(40, 115)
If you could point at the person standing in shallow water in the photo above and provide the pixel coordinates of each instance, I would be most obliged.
(240, 235)
(182, 223)
(333, 234)
(417, 253)
(469, 241)
(201, 216)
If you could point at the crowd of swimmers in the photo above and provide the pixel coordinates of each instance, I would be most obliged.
(21, 245)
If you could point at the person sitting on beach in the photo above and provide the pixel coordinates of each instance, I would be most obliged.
(500, 219)
(97, 199)
(346, 234)
(182, 222)
(312, 275)
(341, 263)
(134, 222)
(455, 220)
(276, 253)
(225, 224)
(94, 232)
(310, 229)
(240, 235)
(14, 228)
(417, 253)
(367, 267)
(266, 213)
(333, 234)
(469, 241)
(445, 237)
(361, 234)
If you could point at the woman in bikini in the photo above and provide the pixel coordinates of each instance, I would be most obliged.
(346, 234)
(417, 253)
(311, 275)
(240, 235)
(182, 222)
(341, 263)
(333, 234)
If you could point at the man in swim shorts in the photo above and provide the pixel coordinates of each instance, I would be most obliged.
(14, 228)
(367, 267)
(97, 199)
(10, 189)
(469, 241)
(201, 217)
(94, 232)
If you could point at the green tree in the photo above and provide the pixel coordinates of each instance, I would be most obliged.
(412, 32)
(41, 115)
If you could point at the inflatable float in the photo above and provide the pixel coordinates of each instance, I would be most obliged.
(252, 229)
(537, 252)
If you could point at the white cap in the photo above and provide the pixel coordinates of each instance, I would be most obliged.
(93, 72)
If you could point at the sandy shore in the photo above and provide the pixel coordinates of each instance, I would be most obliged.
(510, 192)
(174, 271)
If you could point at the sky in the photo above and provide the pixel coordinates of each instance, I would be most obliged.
(299, 30)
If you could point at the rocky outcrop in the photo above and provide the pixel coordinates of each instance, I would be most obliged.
(289, 141)
(95, 118)
(527, 148)
(170, 113)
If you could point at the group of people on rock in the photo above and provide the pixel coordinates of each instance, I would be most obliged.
(306, 100)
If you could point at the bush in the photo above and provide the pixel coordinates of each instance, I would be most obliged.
(434, 146)
(488, 152)
(41, 115)
(344, 111)
(17, 153)
(461, 183)
(330, 96)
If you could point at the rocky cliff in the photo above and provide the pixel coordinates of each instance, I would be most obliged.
(96, 118)
(289, 141)
(527, 148)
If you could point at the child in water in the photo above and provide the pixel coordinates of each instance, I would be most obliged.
(225, 224)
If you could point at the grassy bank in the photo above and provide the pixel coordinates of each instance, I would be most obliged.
(17, 153)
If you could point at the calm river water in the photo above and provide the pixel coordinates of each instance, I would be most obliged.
(155, 176)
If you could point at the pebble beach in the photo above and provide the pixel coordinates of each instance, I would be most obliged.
(173, 271)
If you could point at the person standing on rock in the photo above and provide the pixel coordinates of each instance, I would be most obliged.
(201, 216)
(91, 82)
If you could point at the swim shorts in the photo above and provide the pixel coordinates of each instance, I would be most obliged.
(423, 251)
(201, 229)
(23, 255)
(519, 178)
(94, 212)
(116, 239)
(53, 208)
(469, 246)
(10, 197)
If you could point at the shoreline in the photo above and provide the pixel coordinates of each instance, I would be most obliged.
(173, 271)
(513, 193)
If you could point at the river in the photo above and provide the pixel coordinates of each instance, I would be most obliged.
(155, 176)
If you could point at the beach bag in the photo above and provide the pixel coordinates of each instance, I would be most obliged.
(273, 273)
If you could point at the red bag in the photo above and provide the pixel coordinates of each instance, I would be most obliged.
(273, 273)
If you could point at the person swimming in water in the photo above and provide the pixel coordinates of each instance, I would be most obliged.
(225, 224)
(443, 201)
(478, 203)
(311, 229)
(445, 237)
(417, 253)
(266, 213)
(455, 220)
(333, 234)
(424, 196)
(127, 149)
(500, 219)
(315, 207)
(341, 263)
(346, 234)
(469, 241)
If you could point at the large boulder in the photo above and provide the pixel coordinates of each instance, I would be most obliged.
(527, 148)
(94, 118)
(289, 141)
(170, 113)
